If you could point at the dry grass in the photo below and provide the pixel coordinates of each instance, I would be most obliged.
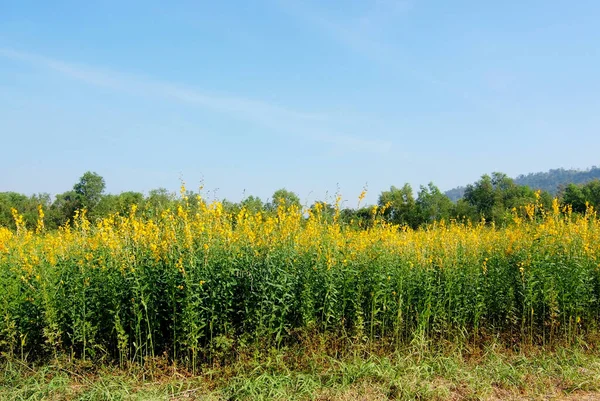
(319, 371)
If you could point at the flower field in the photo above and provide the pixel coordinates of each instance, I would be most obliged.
(195, 279)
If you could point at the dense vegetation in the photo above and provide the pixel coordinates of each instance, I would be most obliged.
(492, 198)
(554, 181)
(196, 279)
(325, 369)
(276, 301)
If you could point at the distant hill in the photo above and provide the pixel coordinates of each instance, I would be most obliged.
(551, 181)
(455, 193)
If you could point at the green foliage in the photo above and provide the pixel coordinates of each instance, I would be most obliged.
(400, 206)
(325, 368)
(27, 206)
(573, 195)
(63, 208)
(253, 204)
(324, 209)
(283, 197)
(87, 194)
(493, 197)
(195, 287)
(358, 218)
(464, 211)
(89, 190)
(433, 205)
(580, 196)
(158, 200)
(552, 182)
(403, 209)
(120, 203)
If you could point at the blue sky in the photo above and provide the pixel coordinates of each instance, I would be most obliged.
(315, 96)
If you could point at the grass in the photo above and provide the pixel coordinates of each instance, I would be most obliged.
(325, 368)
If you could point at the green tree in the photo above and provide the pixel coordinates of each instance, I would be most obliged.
(591, 191)
(463, 211)
(89, 190)
(253, 204)
(432, 204)
(401, 207)
(283, 197)
(118, 203)
(494, 197)
(232, 208)
(578, 196)
(481, 196)
(326, 210)
(25, 205)
(86, 194)
(63, 208)
(358, 218)
(159, 199)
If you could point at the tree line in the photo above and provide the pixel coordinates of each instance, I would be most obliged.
(493, 197)
(553, 181)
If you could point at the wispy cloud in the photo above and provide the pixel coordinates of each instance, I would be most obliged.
(346, 33)
(312, 126)
(357, 35)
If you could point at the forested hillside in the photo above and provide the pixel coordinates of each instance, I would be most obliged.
(551, 181)
(555, 180)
